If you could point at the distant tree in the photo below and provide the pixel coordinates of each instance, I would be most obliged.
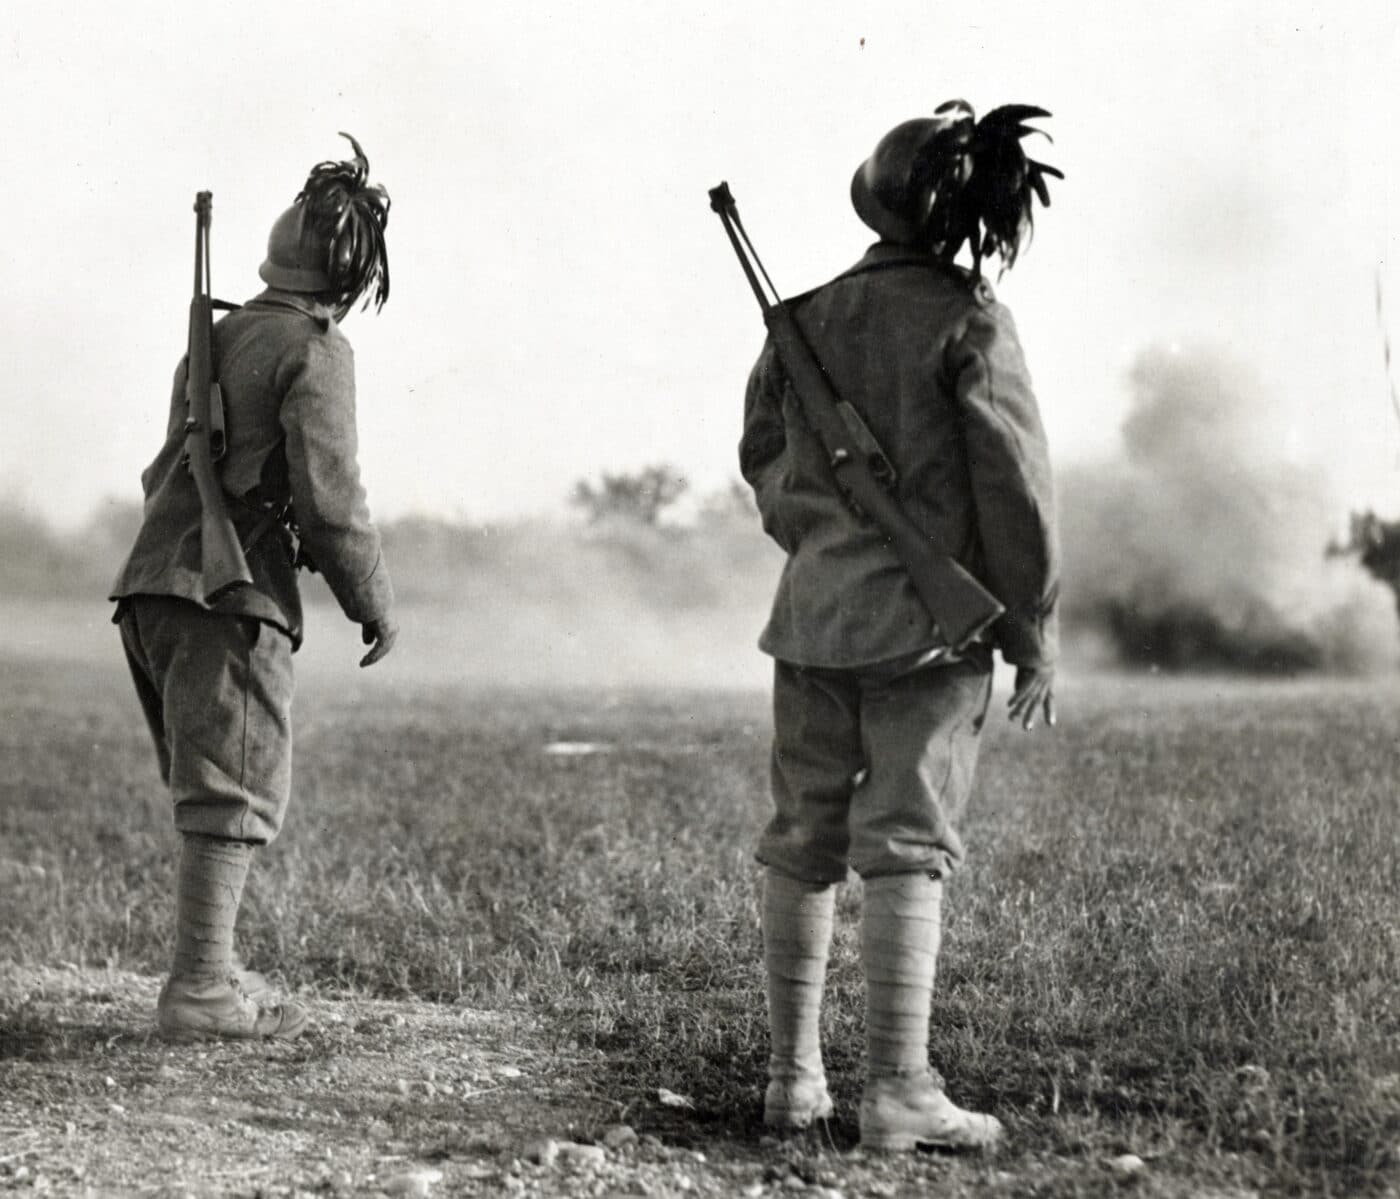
(639, 496)
(1375, 543)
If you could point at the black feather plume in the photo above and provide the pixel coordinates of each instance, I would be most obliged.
(350, 214)
(984, 186)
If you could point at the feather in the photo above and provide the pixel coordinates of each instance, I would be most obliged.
(350, 214)
(989, 208)
(1014, 114)
(1038, 182)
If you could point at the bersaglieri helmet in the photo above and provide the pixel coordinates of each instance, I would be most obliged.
(331, 240)
(944, 181)
(296, 255)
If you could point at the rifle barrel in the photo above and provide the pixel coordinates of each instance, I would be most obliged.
(223, 564)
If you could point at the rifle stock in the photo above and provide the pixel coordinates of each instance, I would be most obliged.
(223, 566)
(958, 603)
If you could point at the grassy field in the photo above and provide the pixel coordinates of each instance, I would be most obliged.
(1178, 935)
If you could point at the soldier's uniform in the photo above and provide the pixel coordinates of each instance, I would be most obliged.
(876, 716)
(215, 678)
(216, 682)
(865, 684)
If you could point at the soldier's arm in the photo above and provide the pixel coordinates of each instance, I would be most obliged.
(1009, 467)
(318, 418)
(764, 440)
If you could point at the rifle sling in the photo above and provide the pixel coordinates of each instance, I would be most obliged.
(860, 432)
(851, 419)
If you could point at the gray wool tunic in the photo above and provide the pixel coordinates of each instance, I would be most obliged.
(932, 363)
(288, 379)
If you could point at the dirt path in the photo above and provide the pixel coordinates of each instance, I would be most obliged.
(380, 1097)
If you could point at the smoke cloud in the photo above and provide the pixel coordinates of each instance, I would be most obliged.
(1204, 547)
(621, 603)
(618, 604)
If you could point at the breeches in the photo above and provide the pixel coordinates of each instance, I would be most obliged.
(873, 772)
(217, 693)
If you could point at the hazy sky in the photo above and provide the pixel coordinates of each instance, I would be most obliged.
(564, 301)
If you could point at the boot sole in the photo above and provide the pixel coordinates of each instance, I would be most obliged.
(900, 1143)
(185, 1036)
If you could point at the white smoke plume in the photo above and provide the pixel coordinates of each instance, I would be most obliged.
(1205, 546)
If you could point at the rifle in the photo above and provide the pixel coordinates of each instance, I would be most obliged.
(223, 566)
(958, 603)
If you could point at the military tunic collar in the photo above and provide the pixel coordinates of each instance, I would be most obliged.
(885, 254)
(273, 297)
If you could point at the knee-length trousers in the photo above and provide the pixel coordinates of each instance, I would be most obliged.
(216, 690)
(872, 772)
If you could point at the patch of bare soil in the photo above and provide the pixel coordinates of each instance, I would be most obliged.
(396, 1098)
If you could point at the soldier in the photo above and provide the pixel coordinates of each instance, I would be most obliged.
(215, 679)
(876, 718)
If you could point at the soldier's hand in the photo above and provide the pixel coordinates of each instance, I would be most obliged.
(1034, 694)
(380, 636)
